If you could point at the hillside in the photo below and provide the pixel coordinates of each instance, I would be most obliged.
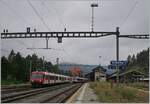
(84, 68)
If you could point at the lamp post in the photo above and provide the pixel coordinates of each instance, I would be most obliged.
(57, 61)
(30, 69)
(93, 5)
(43, 63)
(100, 61)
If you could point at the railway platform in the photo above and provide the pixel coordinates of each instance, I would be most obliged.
(84, 95)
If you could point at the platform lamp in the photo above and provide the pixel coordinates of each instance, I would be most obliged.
(99, 61)
(93, 5)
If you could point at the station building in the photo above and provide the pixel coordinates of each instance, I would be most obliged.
(98, 74)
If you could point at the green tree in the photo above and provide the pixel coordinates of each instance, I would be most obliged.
(11, 56)
(17, 67)
(4, 68)
(34, 62)
(129, 59)
(133, 60)
(48, 66)
(141, 61)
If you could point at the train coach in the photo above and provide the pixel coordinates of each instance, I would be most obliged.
(79, 79)
(40, 78)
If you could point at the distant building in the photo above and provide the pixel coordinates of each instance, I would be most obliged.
(98, 74)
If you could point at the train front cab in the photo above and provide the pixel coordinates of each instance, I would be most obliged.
(36, 79)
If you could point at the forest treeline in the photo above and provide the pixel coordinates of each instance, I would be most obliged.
(140, 62)
(15, 67)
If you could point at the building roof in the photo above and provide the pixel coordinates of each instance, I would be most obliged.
(130, 71)
(126, 72)
(99, 68)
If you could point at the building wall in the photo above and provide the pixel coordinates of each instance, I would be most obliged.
(99, 76)
(102, 77)
(96, 75)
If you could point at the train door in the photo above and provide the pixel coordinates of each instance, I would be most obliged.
(46, 79)
(54, 79)
(51, 79)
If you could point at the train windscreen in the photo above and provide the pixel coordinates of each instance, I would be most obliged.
(36, 76)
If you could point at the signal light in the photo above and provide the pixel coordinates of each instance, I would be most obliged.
(94, 5)
(59, 40)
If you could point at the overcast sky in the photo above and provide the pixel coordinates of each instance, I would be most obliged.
(130, 15)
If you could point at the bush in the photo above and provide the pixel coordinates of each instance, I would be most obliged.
(120, 94)
(127, 94)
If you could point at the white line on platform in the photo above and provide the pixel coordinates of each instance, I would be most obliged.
(80, 98)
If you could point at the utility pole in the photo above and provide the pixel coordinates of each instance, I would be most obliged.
(57, 61)
(93, 5)
(47, 43)
(117, 54)
(30, 68)
(100, 61)
(43, 62)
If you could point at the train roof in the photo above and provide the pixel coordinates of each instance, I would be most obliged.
(53, 74)
(49, 73)
(80, 77)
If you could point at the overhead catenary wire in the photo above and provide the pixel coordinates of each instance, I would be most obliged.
(57, 13)
(17, 15)
(129, 13)
(72, 59)
(38, 15)
(13, 11)
(4, 50)
(61, 22)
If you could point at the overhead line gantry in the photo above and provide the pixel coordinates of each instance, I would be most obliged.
(28, 34)
(81, 34)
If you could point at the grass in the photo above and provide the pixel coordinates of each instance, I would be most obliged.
(140, 85)
(10, 82)
(122, 94)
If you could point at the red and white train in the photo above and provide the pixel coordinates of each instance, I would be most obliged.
(39, 78)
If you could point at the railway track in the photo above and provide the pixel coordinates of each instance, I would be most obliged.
(14, 88)
(62, 95)
(7, 91)
(56, 93)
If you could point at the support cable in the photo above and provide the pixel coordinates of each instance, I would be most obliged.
(17, 15)
(129, 13)
(38, 15)
(13, 11)
(58, 15)
(61, 22)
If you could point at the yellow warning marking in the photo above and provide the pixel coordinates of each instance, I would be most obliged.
(72, 98)
(80, 97)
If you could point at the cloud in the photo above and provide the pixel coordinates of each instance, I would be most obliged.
(16, 15)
